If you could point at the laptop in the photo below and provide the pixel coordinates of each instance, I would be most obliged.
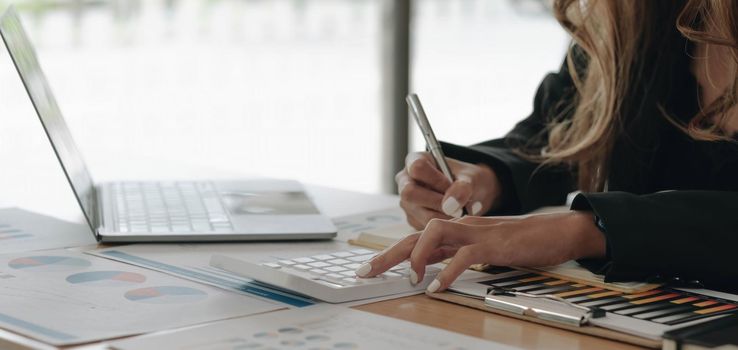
(165, 211)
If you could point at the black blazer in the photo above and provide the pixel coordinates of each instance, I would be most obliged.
(671, 208)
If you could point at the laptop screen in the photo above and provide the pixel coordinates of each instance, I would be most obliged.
(24, 58)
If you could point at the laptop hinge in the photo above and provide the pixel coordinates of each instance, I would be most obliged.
(96, 219)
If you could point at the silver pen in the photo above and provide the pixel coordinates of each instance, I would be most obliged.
(431, 143)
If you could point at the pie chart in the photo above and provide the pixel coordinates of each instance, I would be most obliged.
(166, 295)
(106, 278)
(48, 263)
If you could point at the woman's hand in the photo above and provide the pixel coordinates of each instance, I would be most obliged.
(425, 193)
(535, 240)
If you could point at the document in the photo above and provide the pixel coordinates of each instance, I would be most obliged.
(192, 261)
(23, 230)
(349, 227)
(315, 327)
(64, 297)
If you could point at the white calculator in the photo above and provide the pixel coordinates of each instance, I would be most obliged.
(328, 277)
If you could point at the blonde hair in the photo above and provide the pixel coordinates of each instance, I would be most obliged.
(614, 35)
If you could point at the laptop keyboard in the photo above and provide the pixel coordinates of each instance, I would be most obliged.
(169, 207)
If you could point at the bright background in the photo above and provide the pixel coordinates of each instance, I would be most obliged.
(167, 89)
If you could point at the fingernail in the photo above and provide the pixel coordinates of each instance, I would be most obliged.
(401, 187)
(476, 208)
(413, 277)
(364, 269)
(458, 213)
(433, 286)
(450, 206)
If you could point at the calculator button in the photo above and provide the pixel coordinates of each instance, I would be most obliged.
(335, 268)
(349, 273)
(361, 258)
(318, 271)
(286, 262)
(302, 267)
(272, 265)
(319, 264)
(352, 266)
(338, 261)
(342, 254)
(303, 260)
(323, 257)
(362, 251)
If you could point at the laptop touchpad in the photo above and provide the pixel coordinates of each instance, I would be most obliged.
(268, 203)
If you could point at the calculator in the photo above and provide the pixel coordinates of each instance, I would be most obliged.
(329, 277)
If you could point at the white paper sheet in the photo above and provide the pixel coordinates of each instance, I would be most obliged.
(350, 227)
(315, 327)
(192, 262)
(22, 230)
(64, 297)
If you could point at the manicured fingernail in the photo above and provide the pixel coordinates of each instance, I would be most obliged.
(459, 213)
(413, 277)
(401, 187)
(364, 269)
(476, 208)
(433, 287)
(450, 206)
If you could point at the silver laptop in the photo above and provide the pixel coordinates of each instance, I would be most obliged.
(165, 211)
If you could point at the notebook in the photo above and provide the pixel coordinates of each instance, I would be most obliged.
(719, 334)
(637, 318)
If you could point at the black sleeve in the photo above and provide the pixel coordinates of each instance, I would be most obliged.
(690, 235)
(526, 185)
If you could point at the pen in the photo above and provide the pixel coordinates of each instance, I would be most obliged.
(431, 143)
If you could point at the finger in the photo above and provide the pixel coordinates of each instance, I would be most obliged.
(465, 257)
(392, 256)
(442, 254)
(419, 217)
(414, 194)
(412, 221)
(422, 168)
(430, 240)
(457, 196)
(481, 220)
(402, 179)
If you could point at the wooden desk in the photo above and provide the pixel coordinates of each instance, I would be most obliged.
(509, 331)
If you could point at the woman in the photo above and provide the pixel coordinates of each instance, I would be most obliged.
(642, 118)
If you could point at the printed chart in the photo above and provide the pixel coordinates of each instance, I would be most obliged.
(166, 295)
(8, 232)
(107, 278)
(48, 263)
(350, 226)
(26, 231)
(647, 314)
(315, 327)
(64, 297)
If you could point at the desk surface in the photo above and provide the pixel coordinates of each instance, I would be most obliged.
(477, 323)
(420, 308)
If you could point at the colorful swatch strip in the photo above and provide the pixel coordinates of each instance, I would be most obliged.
(663, 305)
